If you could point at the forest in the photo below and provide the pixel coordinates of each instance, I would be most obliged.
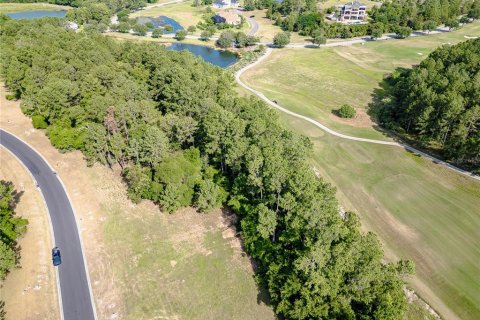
(395, 16)
(438, 102)
(182, 136)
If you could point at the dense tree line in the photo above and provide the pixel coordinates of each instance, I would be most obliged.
(183, 137)
(11, 228)
(439, 101)
(395, 16)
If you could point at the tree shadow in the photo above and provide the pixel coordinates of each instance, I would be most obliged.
(231, 220)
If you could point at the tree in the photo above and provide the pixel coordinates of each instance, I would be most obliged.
(403, 32)
(205, 35)
(208, 196)
(452, 23)
(180, 35)
(281, 39)
(157, 33)
(226, 39)
(140, 29)
(191, 29)
(377, 30)
(267, 222)
(346, 111)
(318, 38)
(123, 27)
(429, 25)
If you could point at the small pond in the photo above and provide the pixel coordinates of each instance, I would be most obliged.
(219, 58)
(37, 14)
(161, 21)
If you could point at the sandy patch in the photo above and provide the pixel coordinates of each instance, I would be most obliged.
(29, 292)
(361, 120)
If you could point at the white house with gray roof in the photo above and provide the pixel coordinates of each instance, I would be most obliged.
(351, 12)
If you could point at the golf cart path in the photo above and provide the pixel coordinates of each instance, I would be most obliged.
(239, 73)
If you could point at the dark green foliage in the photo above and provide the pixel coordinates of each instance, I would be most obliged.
(281, 39)
(39, 122)
(346, 111)
(182, 136)
(180, 35)
(157, 33)
(438, 101)
(403, 32)
(11, 228)
(226, 39)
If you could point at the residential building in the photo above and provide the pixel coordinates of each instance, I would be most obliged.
(223, 4)
(351, 12)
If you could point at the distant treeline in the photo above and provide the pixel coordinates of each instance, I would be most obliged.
(397, 16)
(438, 102)
(182, 136)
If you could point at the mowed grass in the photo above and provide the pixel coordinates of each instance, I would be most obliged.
(18, 7)
(420, 210)
(181, 266)
(314, 82)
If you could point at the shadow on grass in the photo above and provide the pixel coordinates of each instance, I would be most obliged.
(231, 220)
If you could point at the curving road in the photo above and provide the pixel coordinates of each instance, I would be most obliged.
(76, 298)
(239, 73)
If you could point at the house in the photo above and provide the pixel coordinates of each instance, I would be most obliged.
(227, 17)
(351, 12)
(222, 4)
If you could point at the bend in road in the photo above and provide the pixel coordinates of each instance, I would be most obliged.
(76, 297)
(239, 73)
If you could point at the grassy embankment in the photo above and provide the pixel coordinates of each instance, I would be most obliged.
(18, 7)
(420, 210)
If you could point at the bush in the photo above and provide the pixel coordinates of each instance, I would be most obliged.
(205, 36)
(180, 35)
(140, 29)
(157, 33)
(39, 122)
(123, 27)
(192, 29)
(346, 111)
(281, 39)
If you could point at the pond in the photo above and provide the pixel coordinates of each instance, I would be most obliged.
(219, 58)
(37, 14)
(161, 21)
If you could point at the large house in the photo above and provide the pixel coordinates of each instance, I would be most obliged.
(351, 12)
(222, 4)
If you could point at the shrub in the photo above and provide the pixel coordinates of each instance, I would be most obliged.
(281, 39)
(346, 111)
(39, 122)
(180, 35)
(192, 29)
(205, 35)
(157, 33)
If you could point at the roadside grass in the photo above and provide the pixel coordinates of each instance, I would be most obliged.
(314, 82)
(17, 7)
(181, 266)
(420, 210)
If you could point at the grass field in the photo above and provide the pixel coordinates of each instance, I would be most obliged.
(325, 78)
(420, 210)
(17, 7)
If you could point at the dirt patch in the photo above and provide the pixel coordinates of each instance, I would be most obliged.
(29, 292)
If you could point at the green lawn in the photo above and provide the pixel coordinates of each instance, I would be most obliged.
(420, 210)
(325, 78)
(17, 7)
(181, 266)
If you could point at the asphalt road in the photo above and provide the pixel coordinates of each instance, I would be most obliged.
(75, 294)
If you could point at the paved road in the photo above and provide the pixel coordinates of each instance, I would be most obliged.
(74, 283)
(333, 132)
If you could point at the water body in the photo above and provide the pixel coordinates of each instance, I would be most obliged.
(219, 58)
(161, 21)
(37, 14)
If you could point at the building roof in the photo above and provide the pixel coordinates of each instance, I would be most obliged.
(354, 4)
(229, 17)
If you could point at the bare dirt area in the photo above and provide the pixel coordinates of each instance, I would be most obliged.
(29, 292)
